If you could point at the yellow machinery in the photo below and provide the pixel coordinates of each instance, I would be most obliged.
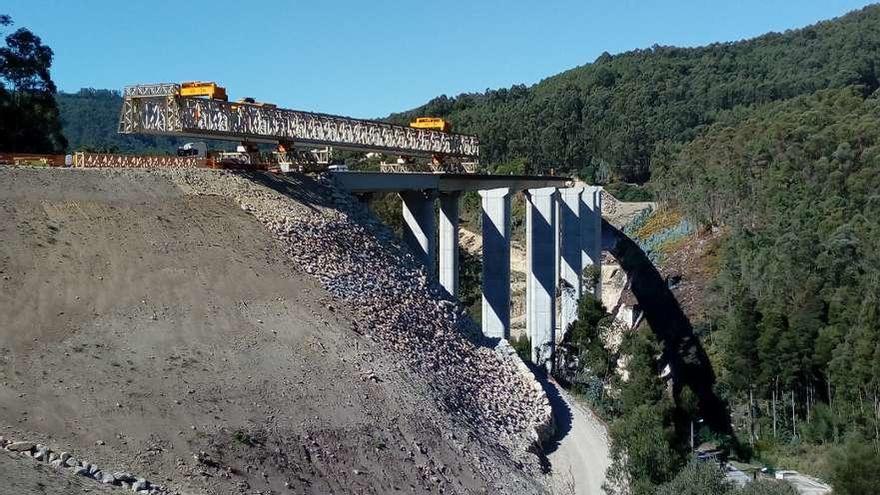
(200, 88)
(438, 162)
(215, 92)
(255, 103)
(432, 124)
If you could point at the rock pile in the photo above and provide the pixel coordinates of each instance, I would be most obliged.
(65, 460)
(332, 236)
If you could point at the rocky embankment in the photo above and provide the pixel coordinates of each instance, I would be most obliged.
(357, 259)
(214, 333)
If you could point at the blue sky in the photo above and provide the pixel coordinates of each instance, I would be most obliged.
(371, 57)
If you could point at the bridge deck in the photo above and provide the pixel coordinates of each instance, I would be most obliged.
(363, 182)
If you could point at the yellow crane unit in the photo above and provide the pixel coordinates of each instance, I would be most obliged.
(254, 103)
(200, 88)
(431, 123)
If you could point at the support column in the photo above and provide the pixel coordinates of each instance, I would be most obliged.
(449, 242)
(420, 229)
(496, 262)
(542, 257)
(570, 248)
(591, 237)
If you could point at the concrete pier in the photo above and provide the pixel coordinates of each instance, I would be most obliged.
(570, 248)
(541, 282)
(591, 236)
(563, 241)
(496, 262)
(449, 241)
(420, 228)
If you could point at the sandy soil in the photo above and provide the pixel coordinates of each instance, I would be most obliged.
(619, 213)
(169, 327)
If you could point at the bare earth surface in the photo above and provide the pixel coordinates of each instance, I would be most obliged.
(23, 476)
(167, 333)
(580, 458)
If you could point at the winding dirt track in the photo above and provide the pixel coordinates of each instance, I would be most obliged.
(581, 456)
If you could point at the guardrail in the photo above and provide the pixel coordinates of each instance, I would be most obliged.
(37, 159)
(107, 160)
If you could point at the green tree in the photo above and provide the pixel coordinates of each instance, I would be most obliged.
(767, 487)
(854, 469)
(641, 456)
(642, 438)
(585, 334)
(29, 116)
(643, 385)
(697, 478)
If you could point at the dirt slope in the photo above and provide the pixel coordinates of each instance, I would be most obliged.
(144, 326)
(22, 476)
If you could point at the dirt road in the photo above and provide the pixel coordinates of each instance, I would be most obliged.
(580, 457)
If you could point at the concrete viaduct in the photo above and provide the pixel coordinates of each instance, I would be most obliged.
(563, 238)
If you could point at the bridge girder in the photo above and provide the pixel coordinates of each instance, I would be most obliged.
(159, 109)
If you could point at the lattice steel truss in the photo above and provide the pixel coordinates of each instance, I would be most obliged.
(159, 109)
(104, 160)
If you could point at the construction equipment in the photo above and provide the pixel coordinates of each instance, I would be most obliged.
(289, 159)
(431, 123)
(199, 150)
(202, 110)
(245, 155)
(439, 162)
(199, 88)
(251, 101)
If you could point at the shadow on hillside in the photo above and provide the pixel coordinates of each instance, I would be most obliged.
(562, 419)
(562, 416)
(681, 348)
(301, 187)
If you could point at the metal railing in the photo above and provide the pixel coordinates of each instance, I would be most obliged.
(104, 160)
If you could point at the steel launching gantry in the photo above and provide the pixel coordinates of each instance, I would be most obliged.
(166, 109)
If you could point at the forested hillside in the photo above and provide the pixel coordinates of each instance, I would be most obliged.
(90, 118)
(795, 321)
(792, 330)
(614, 116)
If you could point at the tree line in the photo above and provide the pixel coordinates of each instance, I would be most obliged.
(611, 120)
(794, 321)
(29, 116)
